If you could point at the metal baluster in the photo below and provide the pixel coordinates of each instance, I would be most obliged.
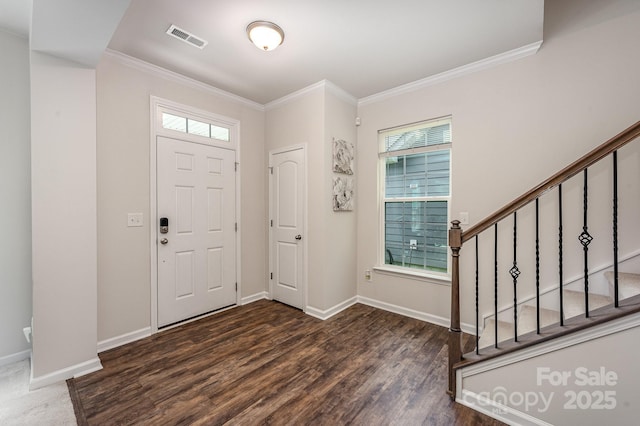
(477, 303)
(495, 275)
(615, 229)
(515, 272)
(585, 238)
(560, 267)
(537, 267)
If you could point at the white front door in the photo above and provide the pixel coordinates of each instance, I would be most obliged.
(287, 213)
(197, 256)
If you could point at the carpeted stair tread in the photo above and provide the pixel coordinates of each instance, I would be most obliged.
(574, 302)
(505, 332)
(527, 318)
(628, 284)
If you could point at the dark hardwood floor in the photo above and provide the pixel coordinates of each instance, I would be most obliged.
(267, 363)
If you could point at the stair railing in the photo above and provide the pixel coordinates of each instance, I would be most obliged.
(458, 237)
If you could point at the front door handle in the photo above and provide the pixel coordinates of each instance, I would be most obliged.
(298, 237)
(164, 241)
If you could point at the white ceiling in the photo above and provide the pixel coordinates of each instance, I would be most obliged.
(363, 46)
(15, 16)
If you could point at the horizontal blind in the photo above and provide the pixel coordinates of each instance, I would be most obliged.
(430, 133)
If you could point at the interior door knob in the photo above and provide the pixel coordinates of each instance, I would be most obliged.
(164, 241)
(298, 237)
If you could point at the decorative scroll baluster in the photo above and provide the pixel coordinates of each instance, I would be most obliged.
(585, 238)
(615, 229)
(495, 282)
(515, 272)
(457, 238)
(537, 267)
(560, 267)
(477, 302)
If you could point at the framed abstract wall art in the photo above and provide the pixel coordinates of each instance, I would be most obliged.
(343, 156)
(342, 193)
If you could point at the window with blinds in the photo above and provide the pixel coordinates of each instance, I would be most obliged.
(416, 189)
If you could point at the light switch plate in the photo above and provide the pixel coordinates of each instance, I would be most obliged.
(134, 219)
(464, 218)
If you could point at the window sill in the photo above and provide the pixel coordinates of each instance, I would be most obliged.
(431, 277)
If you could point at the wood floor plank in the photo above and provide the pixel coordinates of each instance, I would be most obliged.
(267, 363)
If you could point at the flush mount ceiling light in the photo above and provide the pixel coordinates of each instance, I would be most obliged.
(265, 35)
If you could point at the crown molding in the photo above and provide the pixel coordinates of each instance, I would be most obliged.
(463, 70)
(341, 93)
(178, 78)
(492, 61)
(322, 84)
(295, 95)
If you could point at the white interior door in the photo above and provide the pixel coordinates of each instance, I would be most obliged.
(287, 204)
(197, 256)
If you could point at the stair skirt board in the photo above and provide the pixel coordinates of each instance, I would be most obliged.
(510, 415)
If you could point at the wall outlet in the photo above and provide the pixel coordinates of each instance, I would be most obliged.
(134, 219)
(367, 275)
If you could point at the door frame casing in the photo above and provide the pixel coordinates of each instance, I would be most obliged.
(305, 245)
(157, 106)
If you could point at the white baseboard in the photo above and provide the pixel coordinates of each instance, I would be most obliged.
(132, 336)
(64, 374)
(254, 298)
(18, 356)
(498, 411)
(328, 313)
(411, 313)
(123, 339)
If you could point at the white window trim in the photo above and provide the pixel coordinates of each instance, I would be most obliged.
(164, 106)
(393, 270)
(419, 274)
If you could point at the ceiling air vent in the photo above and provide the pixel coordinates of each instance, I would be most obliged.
(187, 37)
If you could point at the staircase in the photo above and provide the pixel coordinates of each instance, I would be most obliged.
(530, 327)
(574, 306)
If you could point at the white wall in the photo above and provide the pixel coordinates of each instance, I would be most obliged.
(513, 126)
(314, 116)
(300, 120)
(340, 227)
(15, 193)
(63, 188)
(553, 388)
(123, 98)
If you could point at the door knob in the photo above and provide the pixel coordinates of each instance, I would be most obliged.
(164, 241)
(298, 237)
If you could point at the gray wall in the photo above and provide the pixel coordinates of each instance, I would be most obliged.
(15, 193)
